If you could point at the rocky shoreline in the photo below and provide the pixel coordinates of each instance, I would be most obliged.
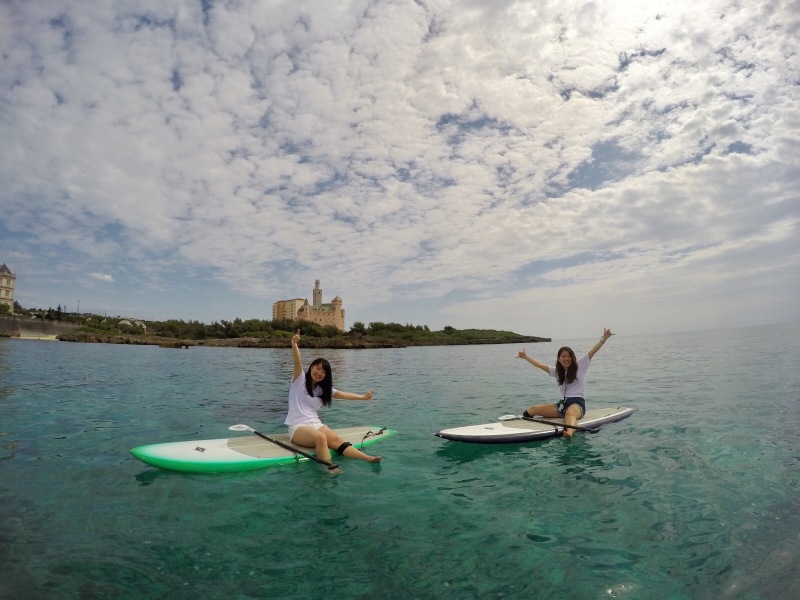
(356, 343)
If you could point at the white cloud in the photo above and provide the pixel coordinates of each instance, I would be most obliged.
(455, 156)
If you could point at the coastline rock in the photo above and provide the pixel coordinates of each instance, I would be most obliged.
(351, 343)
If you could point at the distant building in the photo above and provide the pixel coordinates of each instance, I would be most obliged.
(286, 310)
(298, 309)
(7, 280)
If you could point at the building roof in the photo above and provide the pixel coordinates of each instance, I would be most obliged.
(5, 270)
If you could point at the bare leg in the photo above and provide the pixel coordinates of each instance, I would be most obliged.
(544, 410)
(335, 440)
(354, 452)
(571, 418)
(313, 438)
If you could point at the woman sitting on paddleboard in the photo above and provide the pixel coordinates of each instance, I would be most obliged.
(571, 375)
(309, 392)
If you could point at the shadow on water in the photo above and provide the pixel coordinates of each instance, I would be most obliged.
(150, 476)
(576, 455)
(462, 453)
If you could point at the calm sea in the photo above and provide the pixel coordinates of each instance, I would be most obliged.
(695, 496)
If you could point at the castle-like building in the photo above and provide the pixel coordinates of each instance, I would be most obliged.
(7, 280)
(298, 309)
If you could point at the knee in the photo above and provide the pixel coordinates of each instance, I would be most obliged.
(342, 447)
(334, 441)
(574, 412)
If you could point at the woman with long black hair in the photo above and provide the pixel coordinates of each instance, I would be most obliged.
(570, 372)
(310, 391)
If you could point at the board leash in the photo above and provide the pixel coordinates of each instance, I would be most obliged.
(371, 433)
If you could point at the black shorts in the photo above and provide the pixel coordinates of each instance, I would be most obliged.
(567, 402)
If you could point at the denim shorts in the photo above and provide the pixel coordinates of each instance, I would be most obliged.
(567, 402)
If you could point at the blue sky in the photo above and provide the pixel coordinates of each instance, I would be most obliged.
(548, 168)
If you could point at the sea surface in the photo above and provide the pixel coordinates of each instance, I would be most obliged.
(696, 496)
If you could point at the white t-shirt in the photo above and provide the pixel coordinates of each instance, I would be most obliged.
(303, 407)
(576, 389)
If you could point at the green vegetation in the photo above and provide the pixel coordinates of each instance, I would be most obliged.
(46, 315)
(255, 328)
(268, 333)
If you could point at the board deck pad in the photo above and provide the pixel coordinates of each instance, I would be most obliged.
(243, 453)
(522, 430)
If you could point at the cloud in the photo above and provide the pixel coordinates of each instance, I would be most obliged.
(102, 277)
(403, 152)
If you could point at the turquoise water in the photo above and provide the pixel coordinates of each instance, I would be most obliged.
(695, 496)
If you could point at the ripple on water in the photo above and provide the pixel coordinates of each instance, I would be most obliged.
(661, 505)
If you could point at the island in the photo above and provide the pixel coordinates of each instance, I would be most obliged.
(239, 333)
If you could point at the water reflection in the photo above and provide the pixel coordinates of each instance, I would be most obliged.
(579, 457)
(6, 389)
(462, 453)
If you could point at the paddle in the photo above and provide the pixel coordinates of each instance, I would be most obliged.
(553, 423)
(242, 427)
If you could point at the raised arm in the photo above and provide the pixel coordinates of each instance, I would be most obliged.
(599, 344)
(533, 361)
(298, 364)
(340, 395)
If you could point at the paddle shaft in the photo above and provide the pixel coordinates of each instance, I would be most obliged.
(556, 424)
(330, 466)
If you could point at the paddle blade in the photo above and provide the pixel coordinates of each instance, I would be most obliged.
(240, 427)
(508, 418)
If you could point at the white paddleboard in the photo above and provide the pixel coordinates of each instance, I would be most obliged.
(243, 453)
(523, 430)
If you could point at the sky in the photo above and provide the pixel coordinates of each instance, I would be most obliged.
(544, 167)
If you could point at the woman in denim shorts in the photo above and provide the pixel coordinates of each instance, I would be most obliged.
(570, 372)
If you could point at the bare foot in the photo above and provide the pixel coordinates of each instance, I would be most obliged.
(354, 452)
